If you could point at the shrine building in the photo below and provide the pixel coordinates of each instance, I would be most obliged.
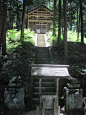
(39, 19)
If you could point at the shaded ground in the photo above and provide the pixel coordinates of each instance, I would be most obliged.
(76, 60)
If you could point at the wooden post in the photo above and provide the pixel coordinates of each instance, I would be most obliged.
(58, 110)
(39, 89)
(57, 86)
(47, 26)
(37, 110)
(55, 107)
(39, 86)
(43, 109)
(57, 91)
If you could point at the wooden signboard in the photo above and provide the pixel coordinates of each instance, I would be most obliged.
(49, 72)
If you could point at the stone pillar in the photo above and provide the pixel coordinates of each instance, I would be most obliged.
(14, 95)
(73, 95)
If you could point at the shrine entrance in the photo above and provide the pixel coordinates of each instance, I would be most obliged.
(41, 28)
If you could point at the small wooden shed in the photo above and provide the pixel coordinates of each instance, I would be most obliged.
(39, 19)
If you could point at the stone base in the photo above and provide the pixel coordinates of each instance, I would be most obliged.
(74, 99)
(14, 100)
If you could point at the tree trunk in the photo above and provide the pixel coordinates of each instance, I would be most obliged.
(85, 27)
(65, 29)
(11, 15)
(49, 2)
(23, 22)
(71, 17)
(59, 24)
(78, 22)
(17, 16)
(54, 19)
(4, 27)
(1, 21)
(82, 41)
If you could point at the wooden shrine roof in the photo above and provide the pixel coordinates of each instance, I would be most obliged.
(41, 6)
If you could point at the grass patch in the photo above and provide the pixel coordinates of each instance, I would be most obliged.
(71, 36)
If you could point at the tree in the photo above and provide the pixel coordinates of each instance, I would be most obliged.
(1, 19)
(78, 20)
(59, 24)
(82, 41)
(65, 29)
(25, 3)
(54, 19)
(4, 27)
(23, 21)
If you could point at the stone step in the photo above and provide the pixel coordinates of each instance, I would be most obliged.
(35, 101)
(42, 62)
(42, 59)
(44, 79)
(44, 84)
(36, 94)
(42, 51)
(43, 42)
(43, 56)
(40, 35)
(44, 89)
(41, 48)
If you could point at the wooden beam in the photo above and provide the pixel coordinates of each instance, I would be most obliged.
(41, 11)
(40, 21)
(40, 16)
(48, 65)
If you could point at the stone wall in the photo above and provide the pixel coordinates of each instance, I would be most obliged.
(73, 95)
(14, 95)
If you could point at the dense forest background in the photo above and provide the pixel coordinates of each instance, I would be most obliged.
(71, 16)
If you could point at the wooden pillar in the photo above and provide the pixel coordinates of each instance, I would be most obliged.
(43, 109)
(57, 88)
(39, 88)
(47, 26)
(40, 80)
(37, 110)
(57, 92)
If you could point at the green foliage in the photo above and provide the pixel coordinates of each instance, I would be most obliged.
(13, 38)
(73, 36)
(53, 39)
(17, 64)
(20, 55)
(14, 25)
(13, 35)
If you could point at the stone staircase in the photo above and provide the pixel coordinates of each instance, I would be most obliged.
(41, 40)
(47, 85)
(42, 55)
